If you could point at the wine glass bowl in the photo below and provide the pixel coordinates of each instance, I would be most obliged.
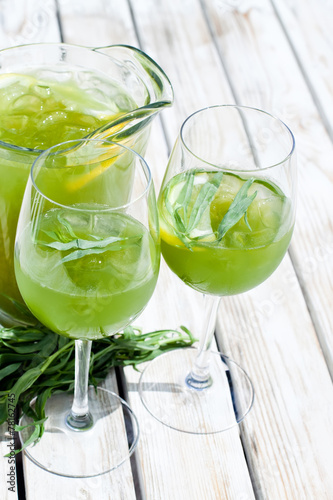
(227, 212)
(87, 258)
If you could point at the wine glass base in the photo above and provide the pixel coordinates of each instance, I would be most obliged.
(84, 453)
(221, 405)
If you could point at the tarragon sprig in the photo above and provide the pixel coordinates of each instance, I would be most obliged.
(64, 238)
(203, 200)
(35, 362)
(237, 209)
(184, 223)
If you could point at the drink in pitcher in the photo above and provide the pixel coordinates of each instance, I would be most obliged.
(39, 110)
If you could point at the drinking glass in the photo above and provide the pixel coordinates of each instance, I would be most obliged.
(227, 212)
(87, 257)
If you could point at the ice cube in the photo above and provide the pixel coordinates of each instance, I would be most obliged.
(15, 123)
(260, 238)
(43, 91)
(108, 224)
(235, 239)
(27, 103)
(270, 211)
(80, 222)
(134, 262)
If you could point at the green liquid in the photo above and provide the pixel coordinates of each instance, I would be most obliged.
(37, 111)
(244, 257)
(89, 293)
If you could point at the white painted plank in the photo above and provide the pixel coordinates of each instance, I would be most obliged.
(116, 485)
(289, 429)
(175, 34)
(177, 465)
(308, 24)
(210, 467)
(97, 23)
(28, 21)
(194, 79)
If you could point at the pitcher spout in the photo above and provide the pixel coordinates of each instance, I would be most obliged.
(146, 83)
(151, 83)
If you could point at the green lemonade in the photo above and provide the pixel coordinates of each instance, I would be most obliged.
(85, 285)
(38, 111)
(249, 251)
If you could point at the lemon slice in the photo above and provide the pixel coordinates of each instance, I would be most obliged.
(104, 161)
(7, 79)
(84, 179)
(169, 237)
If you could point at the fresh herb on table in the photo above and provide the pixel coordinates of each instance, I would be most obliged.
(35, 362)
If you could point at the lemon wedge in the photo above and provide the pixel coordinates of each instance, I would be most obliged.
(7, 79)
(104, 161)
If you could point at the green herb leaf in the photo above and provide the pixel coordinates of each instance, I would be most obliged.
(25, 382)
(203, 200)
(55, 356)
(185, 195)
(65, 240)
(85, 244)
(19, 428)
(237, 209)
(8, 370)
(179, 220)
(184, 223)
(178, 225)
(116, 245)
(67, 226)
(35, 435)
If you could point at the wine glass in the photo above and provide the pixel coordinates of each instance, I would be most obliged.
(227, 212)
(87, 258)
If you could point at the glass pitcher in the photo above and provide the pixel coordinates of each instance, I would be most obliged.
(50, 93)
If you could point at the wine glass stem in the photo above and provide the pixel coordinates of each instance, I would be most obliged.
(79, 417)
(199, 378)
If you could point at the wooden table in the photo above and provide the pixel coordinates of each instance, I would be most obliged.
(275, 55)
